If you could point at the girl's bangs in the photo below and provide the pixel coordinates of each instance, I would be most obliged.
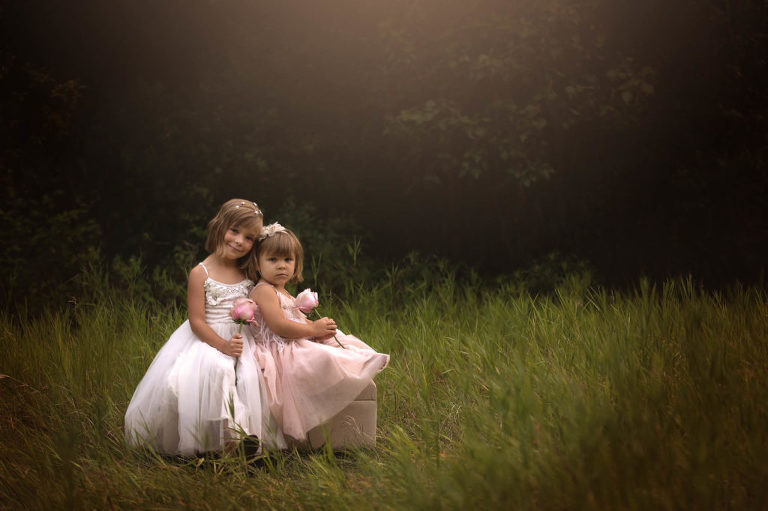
(279, 245)
(248, 220)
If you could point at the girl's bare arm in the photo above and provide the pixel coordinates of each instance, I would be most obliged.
(268, 302)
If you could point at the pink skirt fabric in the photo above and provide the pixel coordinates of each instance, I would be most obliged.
(309, 382)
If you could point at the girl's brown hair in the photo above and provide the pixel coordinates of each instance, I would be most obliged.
(281, 244)
(236, 213)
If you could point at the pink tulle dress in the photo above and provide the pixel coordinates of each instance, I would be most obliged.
(308, 382)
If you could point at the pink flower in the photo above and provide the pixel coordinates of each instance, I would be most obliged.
(306, 301)
(243, 310)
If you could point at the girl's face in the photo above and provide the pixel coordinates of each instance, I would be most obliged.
(277, 270)
(238, 241)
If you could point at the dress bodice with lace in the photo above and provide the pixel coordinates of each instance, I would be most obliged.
(219, 298)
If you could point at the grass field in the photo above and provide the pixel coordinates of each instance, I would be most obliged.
(582, 399)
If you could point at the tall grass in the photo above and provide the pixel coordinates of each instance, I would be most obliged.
(582, 399)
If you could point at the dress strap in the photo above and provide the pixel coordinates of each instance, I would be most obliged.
(204, 268)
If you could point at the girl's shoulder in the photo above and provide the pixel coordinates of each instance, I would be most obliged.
(198, 274)
(264, 289)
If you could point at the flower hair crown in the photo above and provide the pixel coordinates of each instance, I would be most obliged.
(256, 211)
(270, 230)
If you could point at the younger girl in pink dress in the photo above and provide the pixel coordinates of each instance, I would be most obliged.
(309, 376)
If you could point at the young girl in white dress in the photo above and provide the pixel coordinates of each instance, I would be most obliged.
(196, 396)
(310, 376)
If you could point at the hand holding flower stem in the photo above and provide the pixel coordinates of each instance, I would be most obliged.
(307, 302)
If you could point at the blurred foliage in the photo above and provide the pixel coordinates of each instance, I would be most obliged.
(490, 134)
(549, 273)
(47, 231)
(501, 83)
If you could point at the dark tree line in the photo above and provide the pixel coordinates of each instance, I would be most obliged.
(629, 134)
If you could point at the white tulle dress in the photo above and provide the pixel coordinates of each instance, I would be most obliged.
(308, 382)
(190, 401)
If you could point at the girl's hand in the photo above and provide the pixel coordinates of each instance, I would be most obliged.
(234, 347)
(323, 328)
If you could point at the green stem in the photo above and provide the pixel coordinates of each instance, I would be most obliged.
(339, 342)
(239, 330)
(334, 337)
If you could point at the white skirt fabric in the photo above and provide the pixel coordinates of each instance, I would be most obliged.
(192, 401)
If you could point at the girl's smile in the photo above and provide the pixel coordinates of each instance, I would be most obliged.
(238, 241)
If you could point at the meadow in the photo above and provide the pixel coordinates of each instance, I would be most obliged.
(495, 398)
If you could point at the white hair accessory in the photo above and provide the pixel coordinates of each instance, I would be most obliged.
(256, 211)
(270, 230)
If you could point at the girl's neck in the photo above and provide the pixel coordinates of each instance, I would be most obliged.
(222, 270)
(222, 262)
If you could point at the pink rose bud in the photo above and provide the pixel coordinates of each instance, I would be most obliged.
(306, 301)
(243, 310)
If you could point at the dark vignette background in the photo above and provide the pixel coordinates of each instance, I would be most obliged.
(627, 135)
